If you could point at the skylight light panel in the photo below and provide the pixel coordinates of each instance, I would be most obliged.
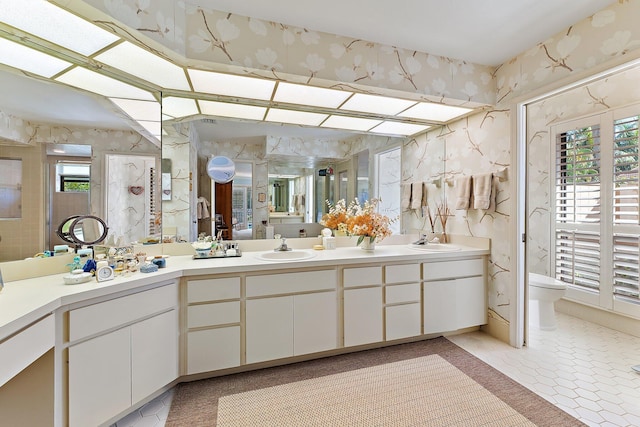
(49, 22)
(434, 112)
(231, 85)
(310, 95)
(102, 85)
(350, 123)
(238, 111)
(18, 56)
(295, 117)
(396, 128)
(145, 65)
(179, 107)
(376, 104)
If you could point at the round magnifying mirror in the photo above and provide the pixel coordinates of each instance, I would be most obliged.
(83, 230)
(221, 169)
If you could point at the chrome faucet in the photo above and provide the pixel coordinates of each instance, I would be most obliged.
(283, 246)
(422, 240)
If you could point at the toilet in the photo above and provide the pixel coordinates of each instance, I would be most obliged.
(543, 292)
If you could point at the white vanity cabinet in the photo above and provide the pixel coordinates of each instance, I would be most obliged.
(121, 351)
(362, 304)
(290, 314)
(402, 301)
(213, 324)
(454, 294)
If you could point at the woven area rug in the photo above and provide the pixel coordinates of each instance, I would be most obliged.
(427, 383)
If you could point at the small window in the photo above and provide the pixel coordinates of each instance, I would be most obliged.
(73, 177)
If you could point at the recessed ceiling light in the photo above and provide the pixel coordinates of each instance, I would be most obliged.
(144, 64)
(139, 110)
(376, 104)
(231, 85)
(350, 123)
(295, 117)
(434, 112)
(49, 22)
(226, 109)
(309, 95)
(179, 107)
(396, 128)
(103, 85)
(18, 56)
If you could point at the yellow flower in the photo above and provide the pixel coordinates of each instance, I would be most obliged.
(357, 220)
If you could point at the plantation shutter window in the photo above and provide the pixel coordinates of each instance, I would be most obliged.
(625, 202)
(577, 207)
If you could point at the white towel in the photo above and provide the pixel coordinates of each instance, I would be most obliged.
(463, 192)
(406, 197)
(416, 195)
(203, 208)
(493, 200)
(482, 190)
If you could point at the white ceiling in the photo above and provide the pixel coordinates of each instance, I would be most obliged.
(488, 32)
(485, 32)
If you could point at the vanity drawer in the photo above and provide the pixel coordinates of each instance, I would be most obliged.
(289, 283)
(213, 289)
(402, 293)
(453, 269)
(99, 317)
(402, 273)
(213, 314)
(362, 276)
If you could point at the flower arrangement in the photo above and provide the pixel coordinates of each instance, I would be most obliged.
(357, 220)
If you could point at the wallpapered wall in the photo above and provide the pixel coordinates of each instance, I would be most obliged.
(474, 145)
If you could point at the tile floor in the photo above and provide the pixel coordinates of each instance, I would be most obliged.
(583, 368)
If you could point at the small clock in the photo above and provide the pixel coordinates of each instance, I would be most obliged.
(104, 273)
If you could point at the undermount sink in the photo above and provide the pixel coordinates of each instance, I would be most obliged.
(435, 247)
(286, 255)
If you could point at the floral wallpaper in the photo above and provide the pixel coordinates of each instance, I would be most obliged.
(611, 33)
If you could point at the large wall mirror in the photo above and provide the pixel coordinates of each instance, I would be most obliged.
(69, 140)
(78, 157)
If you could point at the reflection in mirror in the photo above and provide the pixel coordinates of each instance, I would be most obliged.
(69, 185)
(242, 202)
(293, 172)
(82, 230)
(31, 128)
(10, 188)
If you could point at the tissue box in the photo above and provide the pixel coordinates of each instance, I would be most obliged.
(329, 242)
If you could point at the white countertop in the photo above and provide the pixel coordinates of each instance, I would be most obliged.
(23, 302)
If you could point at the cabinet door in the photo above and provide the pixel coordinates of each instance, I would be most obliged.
(362, 316)
(439, 306)
(99, 378)
(269, 328)
(402, 321)
(471, 299)
(154, 354)
(212, 349)
(314, 323)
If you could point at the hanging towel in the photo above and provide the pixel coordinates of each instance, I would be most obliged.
(482, 190)
(203, 208)
(493, 200)
(416, 195)
(423, 200)
(406, 197)
(463, 192)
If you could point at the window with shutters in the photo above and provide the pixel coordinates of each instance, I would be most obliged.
(597, 209)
